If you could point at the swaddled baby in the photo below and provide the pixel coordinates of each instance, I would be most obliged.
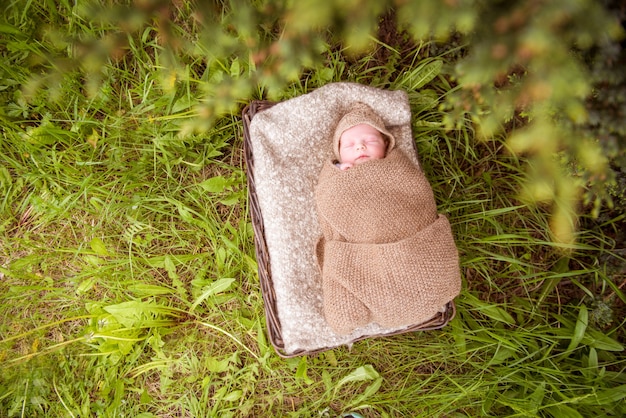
(386, 255)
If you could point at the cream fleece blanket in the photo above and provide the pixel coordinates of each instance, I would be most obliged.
(386, 255)
(290, 143)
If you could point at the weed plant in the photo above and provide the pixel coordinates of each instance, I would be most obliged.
(128, 282)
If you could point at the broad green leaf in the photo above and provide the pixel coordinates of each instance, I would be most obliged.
(361, 374)
(458, 332)
(593, 358)
(330, 357)
(182, 103)
(261, 338)
(12, 30)
(137, 313)
(215, 184)
(145, 398)
(118, 394)
(93, 260)
(301, 371)
(369, 391)
(235, 68)
(24, 262)
(170, 267)
(97, 245)
(325, 74)
(328, 381)
(233, 396)
(601, 341)
(217, 366)
(220, 257)
(144, 289)
(184, 212)
(579, 330)
(424, 99)
(217, 286)
(419, 77)
(85, 285)
(503, 354)
(233, 198)
(536, 398)
(5, 178)
(127, 313)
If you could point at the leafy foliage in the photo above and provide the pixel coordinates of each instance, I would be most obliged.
(524, 61)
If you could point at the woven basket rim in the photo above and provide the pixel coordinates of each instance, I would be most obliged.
(263, 261)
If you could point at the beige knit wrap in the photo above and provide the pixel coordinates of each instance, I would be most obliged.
(386, 255)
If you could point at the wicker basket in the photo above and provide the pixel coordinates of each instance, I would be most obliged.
(263, 260)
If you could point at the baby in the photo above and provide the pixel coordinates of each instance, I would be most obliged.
(360, 136)
(386, 255)
(361, 143)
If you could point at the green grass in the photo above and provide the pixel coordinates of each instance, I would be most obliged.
(128, 283)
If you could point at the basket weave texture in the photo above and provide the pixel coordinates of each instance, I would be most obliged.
(267, 286)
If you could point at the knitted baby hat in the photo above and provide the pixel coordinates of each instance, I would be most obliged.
(357, 114)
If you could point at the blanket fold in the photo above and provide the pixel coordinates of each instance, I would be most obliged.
(386, 255)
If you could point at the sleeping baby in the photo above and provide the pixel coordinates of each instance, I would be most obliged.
(385, 254)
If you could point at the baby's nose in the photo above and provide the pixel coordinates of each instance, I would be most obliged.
(360, 146)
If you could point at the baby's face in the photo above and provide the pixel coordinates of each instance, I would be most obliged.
(361, 143)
